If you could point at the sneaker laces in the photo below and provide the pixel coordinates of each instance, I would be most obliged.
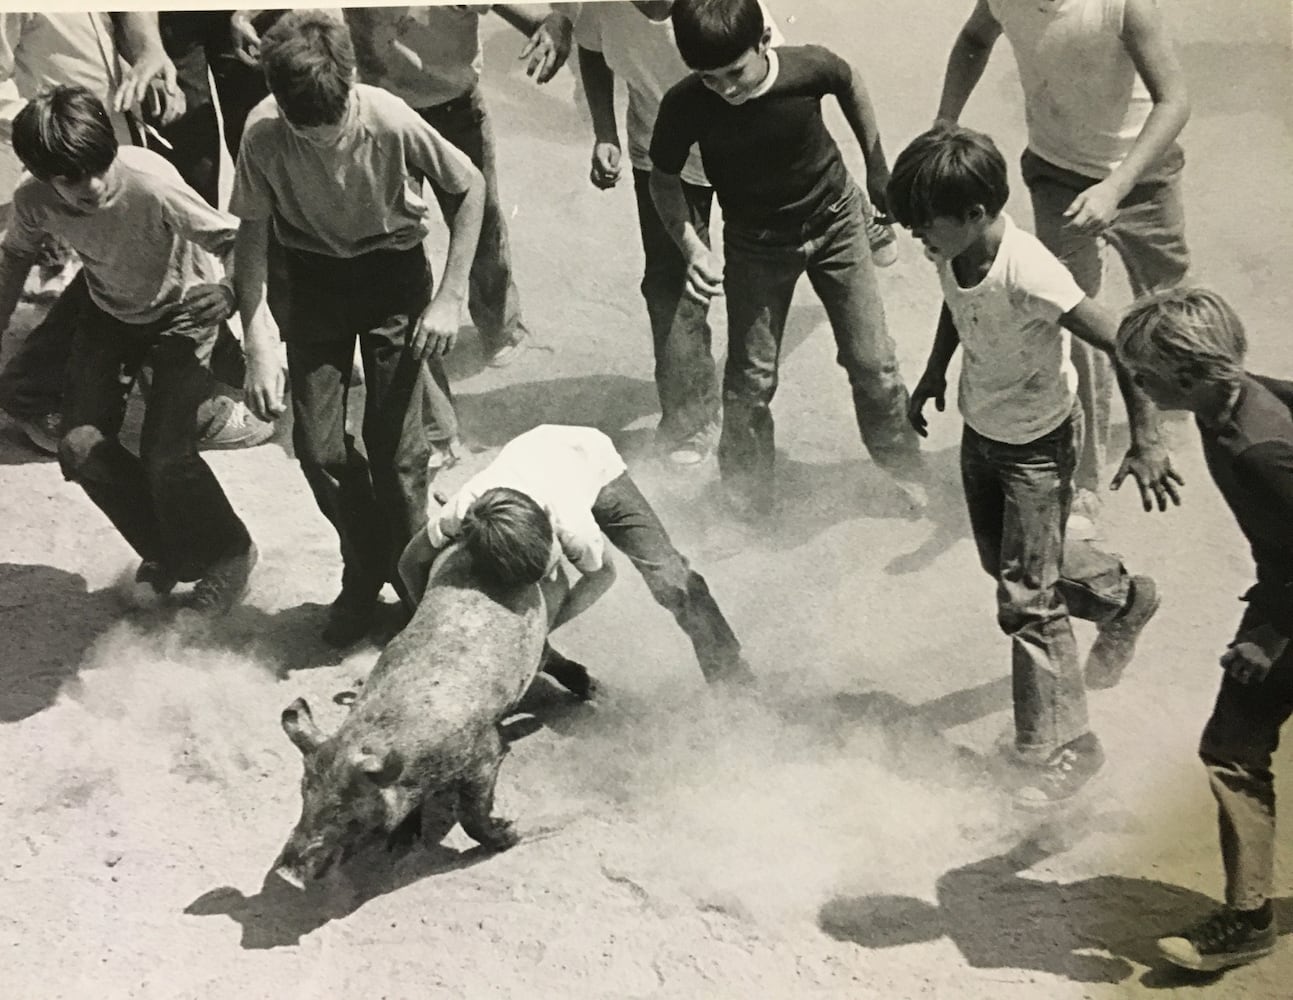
(1221, 929)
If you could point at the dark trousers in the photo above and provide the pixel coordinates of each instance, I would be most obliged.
(1018, 496)
(1237, 745)
(492, 300)
(760, 274)
(626, 518)
(378, 502)
(685, 375)
(166, 502)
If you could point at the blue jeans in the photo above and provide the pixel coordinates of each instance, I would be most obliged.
(761, 271)
(492, 298)
(1018, 497)
(685, 375)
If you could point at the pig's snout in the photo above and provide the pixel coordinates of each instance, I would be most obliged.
(299, 865)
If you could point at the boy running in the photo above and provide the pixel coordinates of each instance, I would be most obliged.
(1009, 302)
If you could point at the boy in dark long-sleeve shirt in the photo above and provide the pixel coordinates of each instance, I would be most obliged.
(1186, 349)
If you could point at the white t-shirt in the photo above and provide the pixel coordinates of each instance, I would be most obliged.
(644, 55)
(1017, 381)
(1083, 98)
(562, 469)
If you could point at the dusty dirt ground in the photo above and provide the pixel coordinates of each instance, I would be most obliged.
(835, 838)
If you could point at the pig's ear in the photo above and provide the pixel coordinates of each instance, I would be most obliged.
(381, 767)
(299, 725)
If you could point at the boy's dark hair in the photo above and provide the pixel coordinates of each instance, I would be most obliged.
(944, 172)
(714, 33)
(64, 132)
(509, 536)
(309, 63)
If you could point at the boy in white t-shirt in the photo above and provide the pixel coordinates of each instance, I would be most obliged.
(1009, 301)
(1105, 99)
(559, 491)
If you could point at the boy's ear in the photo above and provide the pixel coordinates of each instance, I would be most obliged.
(765, 40)
(976, 213)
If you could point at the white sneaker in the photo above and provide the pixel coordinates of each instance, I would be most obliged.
(241, 429)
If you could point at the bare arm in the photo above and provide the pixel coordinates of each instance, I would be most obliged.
(968, 59)
(264, 381)
(587, 590)
(437, 327)
(1147, 459)
(704, 273)
(549, 37)
(140, 43)
(933, 383)
(599, 92)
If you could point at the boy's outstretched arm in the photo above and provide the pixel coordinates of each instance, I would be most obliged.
(14, 269)
(437, 328)
(1151, 50)
(599, 92)
(855, 102)
(933, 383)
(704, 273)
(1148, 460)
(265, 381)
(587, 590)
(967, 60)
(549, 37)
(151, 69)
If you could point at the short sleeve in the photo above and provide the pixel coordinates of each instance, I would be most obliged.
(674, 133)
(25, 234)
(196, 221)
(588, 28)
(428, 154)
(831, 73)
(252, 197)
(1045, 280)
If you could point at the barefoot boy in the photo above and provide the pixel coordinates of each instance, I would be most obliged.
(1009, 301)
(150, 302)
(562, 491)
(337, 168)
(1185, 348)
(789, 208)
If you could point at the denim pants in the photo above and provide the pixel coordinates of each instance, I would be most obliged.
(626, 518)
(492, 300)
(166, 502)
(1148, 235)
(1236, 748)
(1018, 496)
(761, 271)
(375, 502)
(685, 375)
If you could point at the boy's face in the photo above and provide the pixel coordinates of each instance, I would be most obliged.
(1173, 389)
(735, 81)
(947, 237)
(86, 195)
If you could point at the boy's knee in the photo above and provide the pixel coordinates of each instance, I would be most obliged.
(77, 452)
(674, 584)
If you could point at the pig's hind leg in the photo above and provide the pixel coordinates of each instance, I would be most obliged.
(476, 798)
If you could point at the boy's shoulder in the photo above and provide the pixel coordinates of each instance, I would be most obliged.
(1265, 416)
(139, 161)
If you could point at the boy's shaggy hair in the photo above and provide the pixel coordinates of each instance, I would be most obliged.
(1192, 330)
(509, 537)
(64, 132)
(309, 63)
(944, 172)
(711, 34)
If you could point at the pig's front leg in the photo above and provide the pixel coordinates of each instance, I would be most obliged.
(476, 799)
(572, 676)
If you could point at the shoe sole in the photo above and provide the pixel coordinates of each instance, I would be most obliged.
(251, 441)
(1216, 963)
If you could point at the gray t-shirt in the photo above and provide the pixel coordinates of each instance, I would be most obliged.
(142, 249)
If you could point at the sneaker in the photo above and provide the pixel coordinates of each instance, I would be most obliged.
(446, 454)
(1115, 643)
(44, 432)
(1062, 775)
(350, 618)
(1222, 939)
(506, 354)
(224, 583)
(240, 429)
(884, 243)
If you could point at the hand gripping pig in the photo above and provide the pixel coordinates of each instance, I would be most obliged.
(425, 724)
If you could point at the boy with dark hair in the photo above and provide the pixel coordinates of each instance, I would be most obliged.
(576, 482)
(789, 207)
(1105, 100)
(1010, 302)
(337, 168)
(1185, 348)
(149, 300)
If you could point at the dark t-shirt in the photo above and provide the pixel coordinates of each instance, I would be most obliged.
(1251, 460)
(771, 160)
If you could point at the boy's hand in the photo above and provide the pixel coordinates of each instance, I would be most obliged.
(245, 38)
(1249, 658)
(606, 165)
(877, 187)
(1094, 210)
(437, 328)
(139, 79)
(929, 387)
(704, 275)
(203, 307)
(1152, 468)
(548, 48)
(264, 387)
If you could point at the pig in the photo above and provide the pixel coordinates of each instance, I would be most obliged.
(424, 728)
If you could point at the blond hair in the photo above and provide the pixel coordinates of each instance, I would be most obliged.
(1189, 329)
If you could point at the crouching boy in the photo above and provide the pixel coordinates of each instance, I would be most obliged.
(150, 306)
(558, 490)
(1186, 349)
(1009, 302)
